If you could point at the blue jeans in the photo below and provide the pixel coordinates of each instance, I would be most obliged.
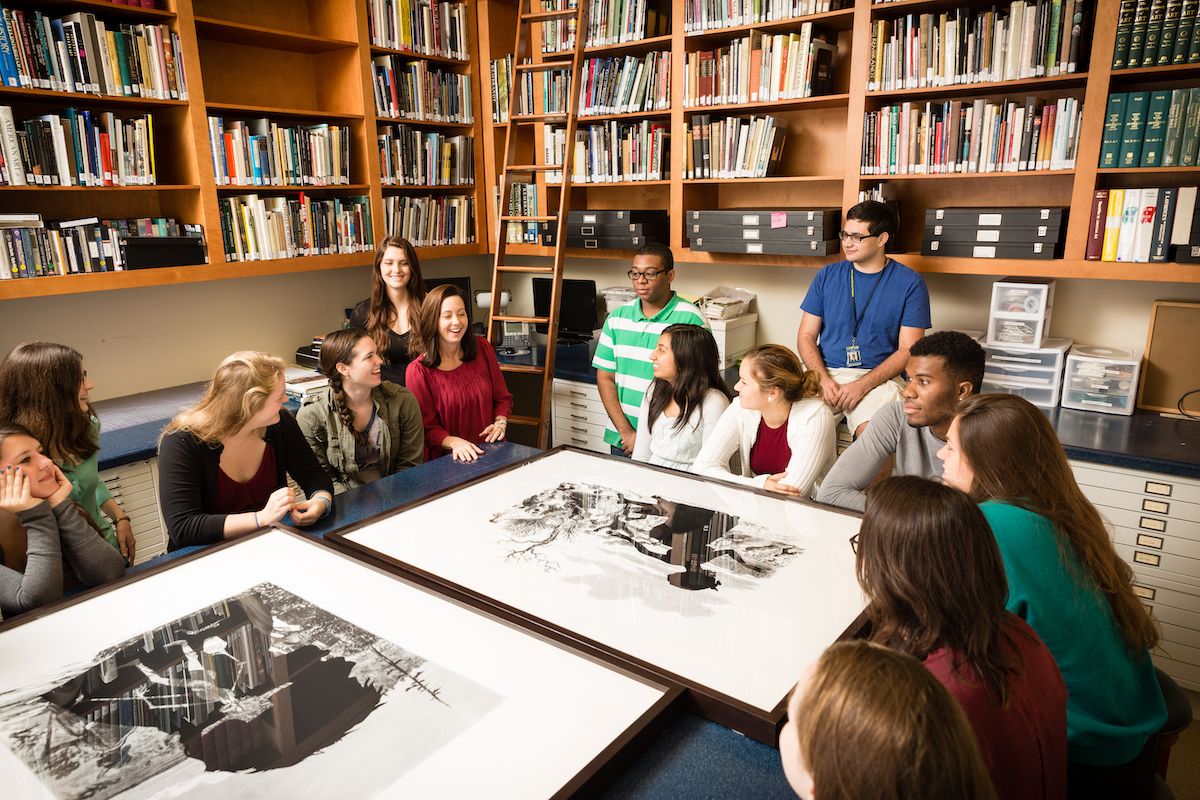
(617, 450)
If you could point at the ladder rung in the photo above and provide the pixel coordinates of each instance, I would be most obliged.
(527, 219)
(532, 421)
(535, 270)
(542, 16)
(542, 67)
(532, 118)
(527, 368)
(534, 167)
(535, 320)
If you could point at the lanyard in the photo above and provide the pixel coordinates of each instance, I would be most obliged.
(853, 305)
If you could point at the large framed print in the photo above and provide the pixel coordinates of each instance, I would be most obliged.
(725, 590)
(277, 667)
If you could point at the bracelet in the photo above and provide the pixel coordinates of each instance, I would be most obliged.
(328, 503)
(256, 525)
(119, 520)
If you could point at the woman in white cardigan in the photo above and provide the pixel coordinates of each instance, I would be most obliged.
(778, 424)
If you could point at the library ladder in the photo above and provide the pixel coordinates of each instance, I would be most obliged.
(522, 73)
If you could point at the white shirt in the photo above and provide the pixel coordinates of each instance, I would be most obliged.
(668, 445)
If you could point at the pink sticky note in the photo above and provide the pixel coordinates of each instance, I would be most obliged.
(778, 219)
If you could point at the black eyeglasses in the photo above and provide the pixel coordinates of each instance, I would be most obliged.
(648, 275)
(855, 237)
(854, 543)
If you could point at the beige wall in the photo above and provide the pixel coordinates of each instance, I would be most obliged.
(142, 339)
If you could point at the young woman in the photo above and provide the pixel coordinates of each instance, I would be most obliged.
(44, 387)
(46, 527)
(361, 427)
(390, 313)
(1066, 580)
(223, 463)
(686, 399)
(929, 566)
(778, 424)
(457, 380)
(868, 722)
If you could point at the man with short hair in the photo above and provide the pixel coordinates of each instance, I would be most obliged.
(944, 369)
(868, 311)
(630, 334)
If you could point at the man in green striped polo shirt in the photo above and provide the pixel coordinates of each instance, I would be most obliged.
(630, 334)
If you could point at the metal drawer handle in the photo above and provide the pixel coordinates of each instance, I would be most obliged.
(1146, 540)
(578, 405)
(1149, 559)
(581, 430)
(1154, 487)
(578, 441)
(576, 416)
(1156, 506)
(1152, 524)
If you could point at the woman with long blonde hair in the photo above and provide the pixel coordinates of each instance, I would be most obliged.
(224, 462)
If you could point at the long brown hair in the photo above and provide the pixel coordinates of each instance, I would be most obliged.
(39, 389)
(381, 314)
(874, 723)
(1015, 455)
(239, 389)
(338, 348)
(929, 564)
(697, 370)
(776, 367)
(427, 325)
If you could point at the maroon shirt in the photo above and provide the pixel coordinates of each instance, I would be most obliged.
(770, 454)
(1025, 744)
(234, 497)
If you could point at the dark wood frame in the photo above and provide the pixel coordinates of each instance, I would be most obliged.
(588, 782)
(710, 704)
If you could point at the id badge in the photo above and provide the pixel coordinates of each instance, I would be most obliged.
(853, 357)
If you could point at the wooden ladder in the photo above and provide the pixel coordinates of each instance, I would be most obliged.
(527, 18)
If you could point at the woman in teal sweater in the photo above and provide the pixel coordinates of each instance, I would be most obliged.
(1066, 580)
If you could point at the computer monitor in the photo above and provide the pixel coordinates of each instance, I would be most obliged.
(463, 284)
(576, 311)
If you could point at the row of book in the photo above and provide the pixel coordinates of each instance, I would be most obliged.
(420, 26)
(414, 90)
(257, 228)
(522, 202)
(79, 53)
(431, 221)
(1144, 225)
(971, 136)
(762, 67)
(1155, 33)
(502, 80)
(261, 152)
(733, 147)
(707, 15)
(1151, 129)
(610, 152)
(609, 22)
(1026, 39)
(626, 84)
(413, 157)
(33, 248)
(76, 148)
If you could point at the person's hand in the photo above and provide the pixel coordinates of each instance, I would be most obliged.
(308, 511)
(278, 504)
(461, 449)
(852, 394)
(775, 484)
(125, 539)
(64, 487)
(496, 431)
(831, 391)
(16, 494)
(628, 440)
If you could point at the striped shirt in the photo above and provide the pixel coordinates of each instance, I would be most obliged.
(626, 341)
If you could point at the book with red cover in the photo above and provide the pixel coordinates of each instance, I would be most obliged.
(1095, 240)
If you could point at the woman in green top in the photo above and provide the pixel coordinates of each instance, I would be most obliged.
(44, 387)
(1065, 580)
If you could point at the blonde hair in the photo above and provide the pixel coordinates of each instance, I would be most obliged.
(238, 391)
(776, 367)
(876, 723)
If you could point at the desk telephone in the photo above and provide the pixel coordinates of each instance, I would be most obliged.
(518, 338)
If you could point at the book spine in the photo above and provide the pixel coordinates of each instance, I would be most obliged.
(1137, 33)
(1114, 120)
(1095, 243)
(1124, 29)
(1112, 224)
(1164, 220)
(1158, 13)
(1155, 131)
(1183, 37)
(1175, 119)
(1191, 130)
(1132, 129)
(1166, 38)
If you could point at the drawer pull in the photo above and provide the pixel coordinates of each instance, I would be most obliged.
(578, 405)
(1149, 559)
(1144, 592)
(576, 416)
(1156, 506)
(578, 441)
(1154, 487)
(1152, 524)
(574, 393)
(1146, 540)
(581, 430)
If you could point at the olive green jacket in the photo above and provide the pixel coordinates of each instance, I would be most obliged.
(402, 442)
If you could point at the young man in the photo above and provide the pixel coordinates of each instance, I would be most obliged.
(943, 369)
(630, 334)
(867, 310)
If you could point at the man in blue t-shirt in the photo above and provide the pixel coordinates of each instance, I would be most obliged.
(867, 311)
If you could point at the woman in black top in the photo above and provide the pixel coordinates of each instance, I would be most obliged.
(223, 464)
(388, 316)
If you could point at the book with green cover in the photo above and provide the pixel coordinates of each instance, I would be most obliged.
(1166, 38)
(1194, 47)
(1191, 130)
(1132, 128)
(1183, 37)
(1158, 12)
(1155, 131)
(1114, 120)
(1137, 34)
(1124, 29)
(1175, 118)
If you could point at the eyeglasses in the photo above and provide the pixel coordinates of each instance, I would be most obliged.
(648, 275)
(855, 237)
(854, 543)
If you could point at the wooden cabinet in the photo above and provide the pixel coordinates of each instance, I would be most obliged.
(135, 487)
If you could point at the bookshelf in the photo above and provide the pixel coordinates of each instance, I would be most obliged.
(301, 62)
(821, 164)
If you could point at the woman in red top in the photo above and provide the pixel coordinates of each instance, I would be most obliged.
(457, 380)
(930, 567)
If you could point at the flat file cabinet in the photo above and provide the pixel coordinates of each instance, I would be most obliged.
(135, 487)
(579, 417)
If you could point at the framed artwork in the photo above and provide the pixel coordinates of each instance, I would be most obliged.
(274, 666)
(725, 590)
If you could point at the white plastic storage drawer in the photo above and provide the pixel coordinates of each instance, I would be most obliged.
(1039, 396)
(1024, 376)
(1051, 356)
(135, 487)
(1102, 379)
(1020, 312)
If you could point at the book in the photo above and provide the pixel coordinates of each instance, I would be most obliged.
(1132, 128)
(1112, 224)
(1154, 25)
(1166, 38)
(1124, 29)
(1137, 33)
(1190, 139)
(431, 221)
(1183, 37)
(1114, 121)
(1130, 214)
(1164, 220)
(1095, 242)
(1185, 209)
(1144, 230)
(1155, 130)
(1175, 120)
